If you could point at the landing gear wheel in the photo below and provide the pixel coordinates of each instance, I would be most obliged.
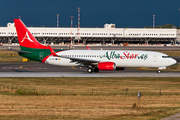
(89, 70)
(158, 71)
(96, 70)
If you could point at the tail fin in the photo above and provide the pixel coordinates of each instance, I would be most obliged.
(26, 39)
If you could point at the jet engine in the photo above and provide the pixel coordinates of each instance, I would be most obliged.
(106, 66)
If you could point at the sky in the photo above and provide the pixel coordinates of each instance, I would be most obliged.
(94, 13)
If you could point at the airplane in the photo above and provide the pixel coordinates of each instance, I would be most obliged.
(93, 60)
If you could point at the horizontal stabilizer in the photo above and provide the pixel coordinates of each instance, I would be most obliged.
(19, 51)
(23, 52)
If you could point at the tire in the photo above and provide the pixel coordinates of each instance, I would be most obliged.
(89, 70)
(158, 71)
(96, 70)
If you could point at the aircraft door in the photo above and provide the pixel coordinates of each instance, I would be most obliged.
(41, 55)
(155, 58)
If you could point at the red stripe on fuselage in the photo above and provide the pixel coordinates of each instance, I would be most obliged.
(44, 60)
(53, 54)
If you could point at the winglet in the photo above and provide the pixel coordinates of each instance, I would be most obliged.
(88, 48)
(52, 51)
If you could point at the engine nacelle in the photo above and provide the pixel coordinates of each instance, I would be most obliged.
(106, 66)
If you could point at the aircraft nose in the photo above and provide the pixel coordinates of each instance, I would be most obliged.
(173, 61)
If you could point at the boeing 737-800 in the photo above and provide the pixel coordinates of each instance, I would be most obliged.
(94, 60)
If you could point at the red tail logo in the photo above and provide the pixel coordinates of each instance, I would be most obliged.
(26, 39)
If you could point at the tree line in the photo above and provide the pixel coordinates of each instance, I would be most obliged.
(165, 26)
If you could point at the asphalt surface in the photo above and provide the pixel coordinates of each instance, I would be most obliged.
(173, 117)
(36, 69)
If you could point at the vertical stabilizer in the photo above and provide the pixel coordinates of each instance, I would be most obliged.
(26, 39)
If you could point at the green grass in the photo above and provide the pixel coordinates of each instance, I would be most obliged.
(9, 56)
(76, 101)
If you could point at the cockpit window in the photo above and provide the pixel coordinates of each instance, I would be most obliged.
(165, 57)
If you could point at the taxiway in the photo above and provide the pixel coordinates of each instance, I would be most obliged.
(35, 69)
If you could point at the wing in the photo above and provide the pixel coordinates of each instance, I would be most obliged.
(85, 62)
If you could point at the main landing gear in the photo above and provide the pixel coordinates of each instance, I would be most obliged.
(96, 70)
(91, 69)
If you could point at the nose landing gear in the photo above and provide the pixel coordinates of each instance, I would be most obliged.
(158, 71)
(160, 68)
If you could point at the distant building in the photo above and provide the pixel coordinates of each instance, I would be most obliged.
(108, 34)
